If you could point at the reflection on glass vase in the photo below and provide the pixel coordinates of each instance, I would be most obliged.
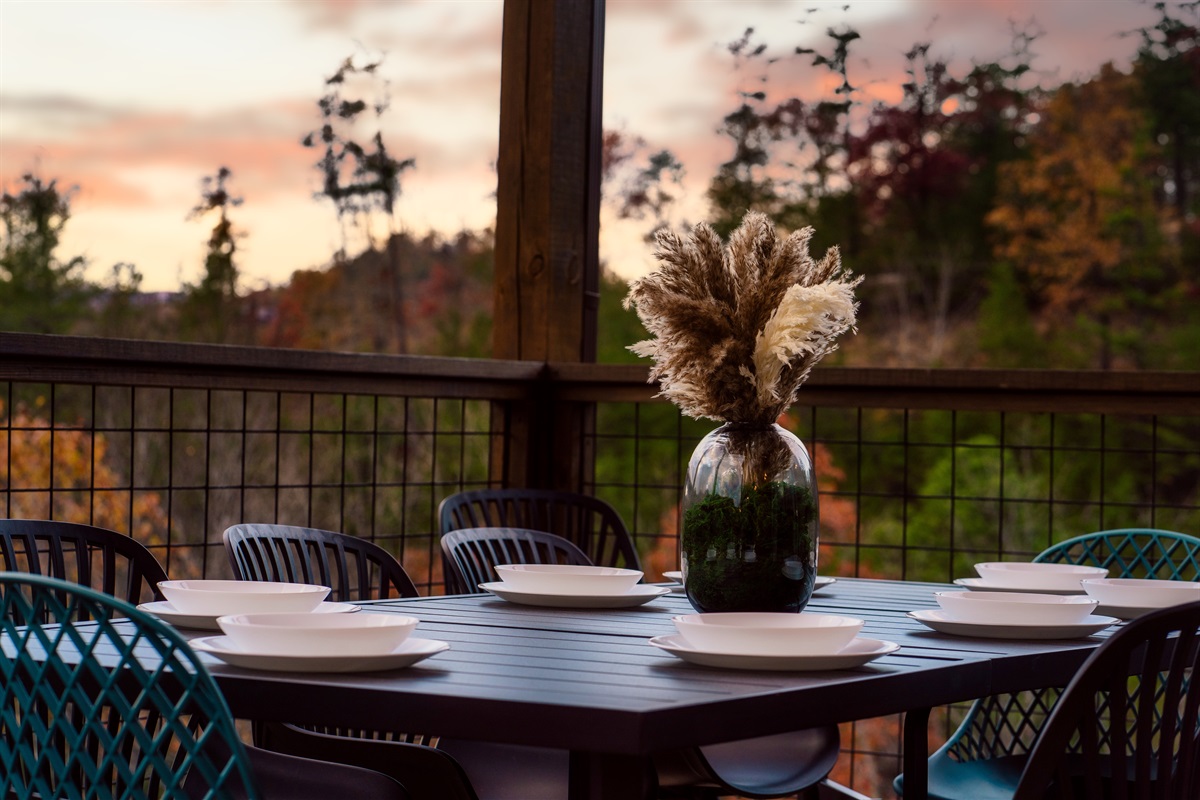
(749, 537)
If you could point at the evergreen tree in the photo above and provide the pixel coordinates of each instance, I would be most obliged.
(210, 310)
(39, 292)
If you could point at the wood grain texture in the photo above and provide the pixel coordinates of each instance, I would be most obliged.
(547, 222)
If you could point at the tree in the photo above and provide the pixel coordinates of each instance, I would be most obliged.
(1078, 218)
(39, 292)
(1168, 70)
(210, 308)
(359, 180)
(636, 184)
(742, 183)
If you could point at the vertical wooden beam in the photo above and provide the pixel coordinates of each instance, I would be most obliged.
(547, 272)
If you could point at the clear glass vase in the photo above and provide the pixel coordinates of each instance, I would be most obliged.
(749, 537)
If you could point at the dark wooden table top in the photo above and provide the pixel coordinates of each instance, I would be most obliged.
(587, 681)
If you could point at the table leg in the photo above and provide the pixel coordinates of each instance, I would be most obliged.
(916, 754)
(608, 776)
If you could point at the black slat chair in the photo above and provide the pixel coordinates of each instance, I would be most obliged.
(354, 569)
(86, 555)
(431, 768)
(1119, 739)
(587, 522)
(70, 728)
(769, 766)
(470, 556)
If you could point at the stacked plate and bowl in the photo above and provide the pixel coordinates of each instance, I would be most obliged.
(1124, 598)
(290, 627)
(571, 586)
(768, 640)
(1020, 600)
(1131, 597)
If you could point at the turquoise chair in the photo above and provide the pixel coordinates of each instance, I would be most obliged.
(984, 758)
(96, 706)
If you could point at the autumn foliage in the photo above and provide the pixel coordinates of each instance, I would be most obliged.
(85, 488)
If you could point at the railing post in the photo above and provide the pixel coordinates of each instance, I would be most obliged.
(547, 225)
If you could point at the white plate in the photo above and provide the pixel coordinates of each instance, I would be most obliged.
(408, 653)
(568, 578)
(941, 622)
(1124, 612)
(674, 575)
(980, 585)
(857, 653)
(641, 593)
(208, 622)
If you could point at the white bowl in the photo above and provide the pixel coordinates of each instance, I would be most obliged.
(317, 634)
(568, 579)
(241, 597)
(1141, 592)
(768, 633)
(1013, 608)
(1031, 575)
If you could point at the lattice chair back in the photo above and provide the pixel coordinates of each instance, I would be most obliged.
(99, 558)
(354, 569)
(588, 522)
(81, 718)
(1008, 724)
(1132, 553)
(470, 556)
(999, 731)
(1154, 754)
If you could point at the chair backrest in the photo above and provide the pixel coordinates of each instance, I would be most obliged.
(1009, 724)
(354, 569)
(70, 728)
(588, 522)
(104, 560)
(1112, 737)
(1132, 553)
(469, 556)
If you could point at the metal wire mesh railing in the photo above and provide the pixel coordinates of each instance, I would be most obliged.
(922, 473)
(919, 493)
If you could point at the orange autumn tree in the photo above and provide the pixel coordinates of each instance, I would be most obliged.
(63, 474)
(1078, 219)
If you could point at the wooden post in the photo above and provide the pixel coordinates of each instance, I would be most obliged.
(547, 272)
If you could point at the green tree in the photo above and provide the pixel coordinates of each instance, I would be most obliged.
(1168, 70)
(210, 310)
(39, 292)
(1005, 329)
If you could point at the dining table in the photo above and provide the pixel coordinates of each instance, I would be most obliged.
(588, 681)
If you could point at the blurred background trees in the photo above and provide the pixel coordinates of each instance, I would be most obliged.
(1000, 221)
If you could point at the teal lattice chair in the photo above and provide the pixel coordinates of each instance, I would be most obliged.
(123, 709)
(984, 757)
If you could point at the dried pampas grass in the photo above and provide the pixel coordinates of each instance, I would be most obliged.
(738, 327)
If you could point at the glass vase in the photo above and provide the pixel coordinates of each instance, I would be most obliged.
(749, 538)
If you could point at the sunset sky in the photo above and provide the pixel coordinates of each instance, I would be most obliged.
(134, 102)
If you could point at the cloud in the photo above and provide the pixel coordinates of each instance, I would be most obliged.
(338, 15)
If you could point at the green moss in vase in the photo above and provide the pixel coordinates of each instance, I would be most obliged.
(756, 556)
